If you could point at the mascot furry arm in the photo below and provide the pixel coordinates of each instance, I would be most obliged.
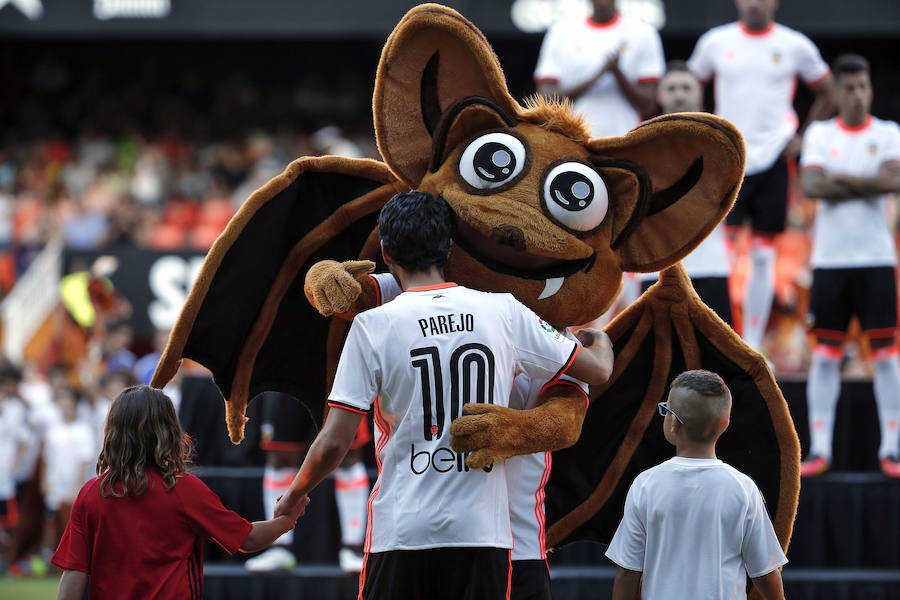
(542, 211)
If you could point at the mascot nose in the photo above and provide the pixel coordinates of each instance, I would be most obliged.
(509, 236)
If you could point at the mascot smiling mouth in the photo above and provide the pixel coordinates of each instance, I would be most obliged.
(504, 252)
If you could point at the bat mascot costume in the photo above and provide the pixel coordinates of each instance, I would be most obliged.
(541, 211)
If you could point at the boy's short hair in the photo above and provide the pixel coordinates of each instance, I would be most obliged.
(849, 63)
(705, 383)
(415, 228)
(702, 409)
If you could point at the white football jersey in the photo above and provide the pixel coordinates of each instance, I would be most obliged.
(424, 355)
(574, 51)
(526, 475)
(695, 528)
(851, 233)
(755, 78)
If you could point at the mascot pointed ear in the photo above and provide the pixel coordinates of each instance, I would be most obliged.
(433, 59)
(694, 163)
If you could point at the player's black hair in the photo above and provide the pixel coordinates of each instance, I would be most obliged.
(705, 383)
(415, 228)
(677, 65)
(849, 63)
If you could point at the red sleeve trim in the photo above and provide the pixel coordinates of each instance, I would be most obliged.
(546, 80)
(568, 364)
(816, 82)
(648, 80)
(377, 290)
(587, 398)
(347, 407)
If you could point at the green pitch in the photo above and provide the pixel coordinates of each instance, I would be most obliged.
(43, 588)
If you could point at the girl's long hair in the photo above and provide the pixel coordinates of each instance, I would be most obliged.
(142, 430)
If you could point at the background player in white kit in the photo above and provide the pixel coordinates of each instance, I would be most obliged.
(436, 528)
(756, 63)
(707, 265)
(850, 163)
(607, 64)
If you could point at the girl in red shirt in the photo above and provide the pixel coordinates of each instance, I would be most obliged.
(137, 529)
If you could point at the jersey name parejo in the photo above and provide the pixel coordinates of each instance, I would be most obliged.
(852, 233)
(422, 375)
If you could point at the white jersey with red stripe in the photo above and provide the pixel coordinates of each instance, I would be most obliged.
(528, 474)
(755, 80)
(574, 51)
(424, 355)
(852, 233)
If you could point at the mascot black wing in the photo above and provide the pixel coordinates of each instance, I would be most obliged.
(667, 331)
(247, 305)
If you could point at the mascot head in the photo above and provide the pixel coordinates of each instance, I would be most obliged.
(541, 210)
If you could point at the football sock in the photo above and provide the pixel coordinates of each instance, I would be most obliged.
(759, 293)
(822, 391)
(351, 491)
(275, 483)
(887, 397)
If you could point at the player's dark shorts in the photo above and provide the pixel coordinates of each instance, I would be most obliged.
(870, 293)
(9, 513)
(287, 425)
(437, 574)
(712, 290)
(763, 200)
(530, 580)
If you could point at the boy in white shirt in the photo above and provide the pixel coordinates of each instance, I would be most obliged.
(694, 527)
(436, 528)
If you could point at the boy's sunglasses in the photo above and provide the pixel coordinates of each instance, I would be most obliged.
(664, 408)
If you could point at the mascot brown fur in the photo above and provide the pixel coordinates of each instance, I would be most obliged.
(441, 98)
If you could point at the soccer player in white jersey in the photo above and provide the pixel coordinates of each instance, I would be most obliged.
(607, 64)
(695, 527)
(755, 63)
(526, 476)
(707, 265)
(436, 528)
(850, 163)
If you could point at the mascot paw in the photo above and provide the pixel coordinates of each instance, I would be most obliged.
(487, 431)
(331, 287)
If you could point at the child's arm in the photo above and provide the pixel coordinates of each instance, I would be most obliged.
(770, 585)
(627, 584)
(265, 532)
(71, 585)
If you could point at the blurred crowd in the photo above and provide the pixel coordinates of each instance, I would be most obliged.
(94, 159)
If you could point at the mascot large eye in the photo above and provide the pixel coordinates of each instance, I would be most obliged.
(575, 196)
(492, 160)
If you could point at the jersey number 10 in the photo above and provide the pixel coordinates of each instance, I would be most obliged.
(471, 373)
